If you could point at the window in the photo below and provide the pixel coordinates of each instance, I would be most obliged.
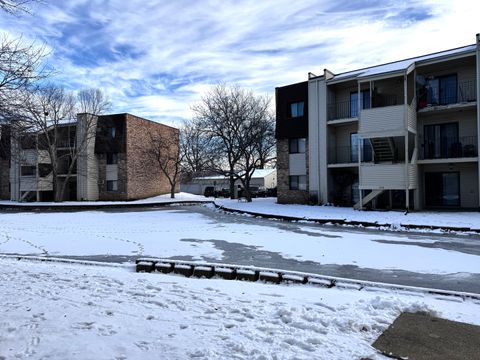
(296, 109)
(112, 132)
(443, 189)
(364, 101)
(441, 141)
(298, 182)
(366, 149)
(442, 90)
(296, 145)
(28, 170)
(112, 158)
(112, 185)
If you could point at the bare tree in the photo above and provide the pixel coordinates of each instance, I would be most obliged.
(93, 101)
(15, 7)
(21, 66)
(195, 150)
(239, 127)
(163, 149)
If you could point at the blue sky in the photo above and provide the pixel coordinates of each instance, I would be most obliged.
(156, 58)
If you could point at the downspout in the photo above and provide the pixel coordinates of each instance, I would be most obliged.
(478, 111)
(358, 147)
(405, 119)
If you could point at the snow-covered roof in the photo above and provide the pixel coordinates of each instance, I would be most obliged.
(401, 65)
(258, 173)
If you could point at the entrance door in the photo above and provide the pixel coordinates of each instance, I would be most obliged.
(442, 189)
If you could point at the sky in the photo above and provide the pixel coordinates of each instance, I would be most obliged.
(156, 59)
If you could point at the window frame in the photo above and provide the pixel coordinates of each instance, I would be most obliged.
(294, 146)
(298, 184)
(112, 158)
(112, 188)
(294, 107)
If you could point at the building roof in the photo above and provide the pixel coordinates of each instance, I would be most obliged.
(258, 173)
(402, 65)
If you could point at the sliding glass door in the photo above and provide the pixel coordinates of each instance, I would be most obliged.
(442, 189)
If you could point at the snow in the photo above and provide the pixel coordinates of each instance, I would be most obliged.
(402, 64)
(457, 219)
(179, 198)
(167, 233)
(72, 311)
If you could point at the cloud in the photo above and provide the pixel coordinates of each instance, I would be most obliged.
(156, 59)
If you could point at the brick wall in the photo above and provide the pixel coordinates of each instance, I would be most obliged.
(284, 194)
(144, 178)
(4, 179)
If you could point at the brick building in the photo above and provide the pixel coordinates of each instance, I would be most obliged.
(110, 155)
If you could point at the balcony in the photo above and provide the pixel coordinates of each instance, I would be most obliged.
(387, 177)
(348, 154)
(436, 97)
(450, 148)
(342, 110)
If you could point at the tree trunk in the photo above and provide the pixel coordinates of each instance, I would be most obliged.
(232, 186)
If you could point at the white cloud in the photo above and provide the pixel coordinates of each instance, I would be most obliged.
(156, 59)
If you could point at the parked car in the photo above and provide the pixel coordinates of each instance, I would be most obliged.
(209, 191)
(255, 191)
(272, 192)
(223, 193)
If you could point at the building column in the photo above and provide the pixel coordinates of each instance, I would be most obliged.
(478, 111)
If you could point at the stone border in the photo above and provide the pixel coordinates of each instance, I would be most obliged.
(90, 207)
(276, 276)
(343, 222)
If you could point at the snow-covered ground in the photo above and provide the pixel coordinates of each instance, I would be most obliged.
(72, 311)
(179, 197)
(183, 232)
(396, 218)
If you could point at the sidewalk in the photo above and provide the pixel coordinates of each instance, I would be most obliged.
(423, 337)
(393, 220)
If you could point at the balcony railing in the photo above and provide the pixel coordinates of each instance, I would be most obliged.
(349, 154)
(463, 92)
(450, 147)
(341, 110)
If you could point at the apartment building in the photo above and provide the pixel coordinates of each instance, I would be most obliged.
(400, 135)
(97, 158)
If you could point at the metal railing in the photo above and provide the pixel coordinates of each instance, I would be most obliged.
(341, 110)
(349, 109)
(349, 154)
(450, 147)
(464, 91)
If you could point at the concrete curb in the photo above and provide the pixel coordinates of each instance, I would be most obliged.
(126, 205)
(343, 222)
(276, 276)
(252, 273)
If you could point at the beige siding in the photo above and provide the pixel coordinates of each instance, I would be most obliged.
(384, 121)
(297, 164)
(388, 176)
(342, 134)
(112, 172)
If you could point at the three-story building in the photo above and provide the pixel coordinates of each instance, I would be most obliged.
(396, 135)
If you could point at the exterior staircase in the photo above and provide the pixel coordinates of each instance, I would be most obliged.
(383, 149)
(369, 197)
